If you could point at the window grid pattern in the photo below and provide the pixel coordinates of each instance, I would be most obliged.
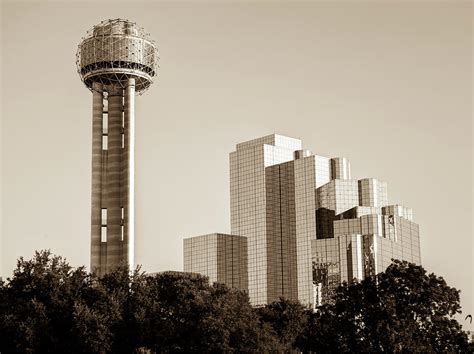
(200, 256)
(398, 210)
(248, 201)
(221, 257)
(307, 225)
(383, 238)
(323, 170)
(291, 225)
(335, 260)
(308, 172)
(372, 192)
(281, 232)
(338, 195)
(274, 140)
(334, 198)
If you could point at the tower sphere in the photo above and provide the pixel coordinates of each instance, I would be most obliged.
(117, 50)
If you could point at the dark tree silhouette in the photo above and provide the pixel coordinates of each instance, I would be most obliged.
(47, 306)
(189, 315)
(287, 319)
(402, 309)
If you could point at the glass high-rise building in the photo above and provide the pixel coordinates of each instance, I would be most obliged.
(248, 204)
(306, 224)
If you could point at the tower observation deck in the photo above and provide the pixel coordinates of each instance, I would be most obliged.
(115, 60)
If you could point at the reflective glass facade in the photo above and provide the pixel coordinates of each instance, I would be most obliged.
(223, 258)
(335, 260)
(372, 192)
(365, 240)
(248, 201)
(308, 226)
(291, 224)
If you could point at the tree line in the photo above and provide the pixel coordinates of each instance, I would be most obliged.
(49, 306)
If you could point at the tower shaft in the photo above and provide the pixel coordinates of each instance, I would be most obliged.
(112, 207)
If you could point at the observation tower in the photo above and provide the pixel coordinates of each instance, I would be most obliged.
(115, 60)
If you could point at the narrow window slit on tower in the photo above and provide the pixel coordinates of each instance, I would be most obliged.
(105, 103)
(105, 143)
(103, 234)
(105, 123)
(104, 216)
(121, 228)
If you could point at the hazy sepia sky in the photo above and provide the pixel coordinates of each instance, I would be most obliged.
(387, 85)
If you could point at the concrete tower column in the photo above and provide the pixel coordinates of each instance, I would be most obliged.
(114, 176)
(107, 73)
(96, 195)
(128, 178)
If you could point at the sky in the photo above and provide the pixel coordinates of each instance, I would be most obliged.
(386, 84)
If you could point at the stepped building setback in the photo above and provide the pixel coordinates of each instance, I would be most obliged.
(305, 223)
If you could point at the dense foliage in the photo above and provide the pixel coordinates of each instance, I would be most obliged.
(401, 310)
(47, 306)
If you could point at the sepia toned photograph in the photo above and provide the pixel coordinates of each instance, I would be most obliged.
(236, 176)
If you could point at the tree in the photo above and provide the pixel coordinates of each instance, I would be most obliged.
(401, 309)
(287, 318)
(186, 314)
(130, 297)
(47, 306)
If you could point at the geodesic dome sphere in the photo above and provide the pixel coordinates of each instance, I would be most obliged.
(114, 51)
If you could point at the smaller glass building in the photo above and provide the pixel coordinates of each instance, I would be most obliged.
(222, 257)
